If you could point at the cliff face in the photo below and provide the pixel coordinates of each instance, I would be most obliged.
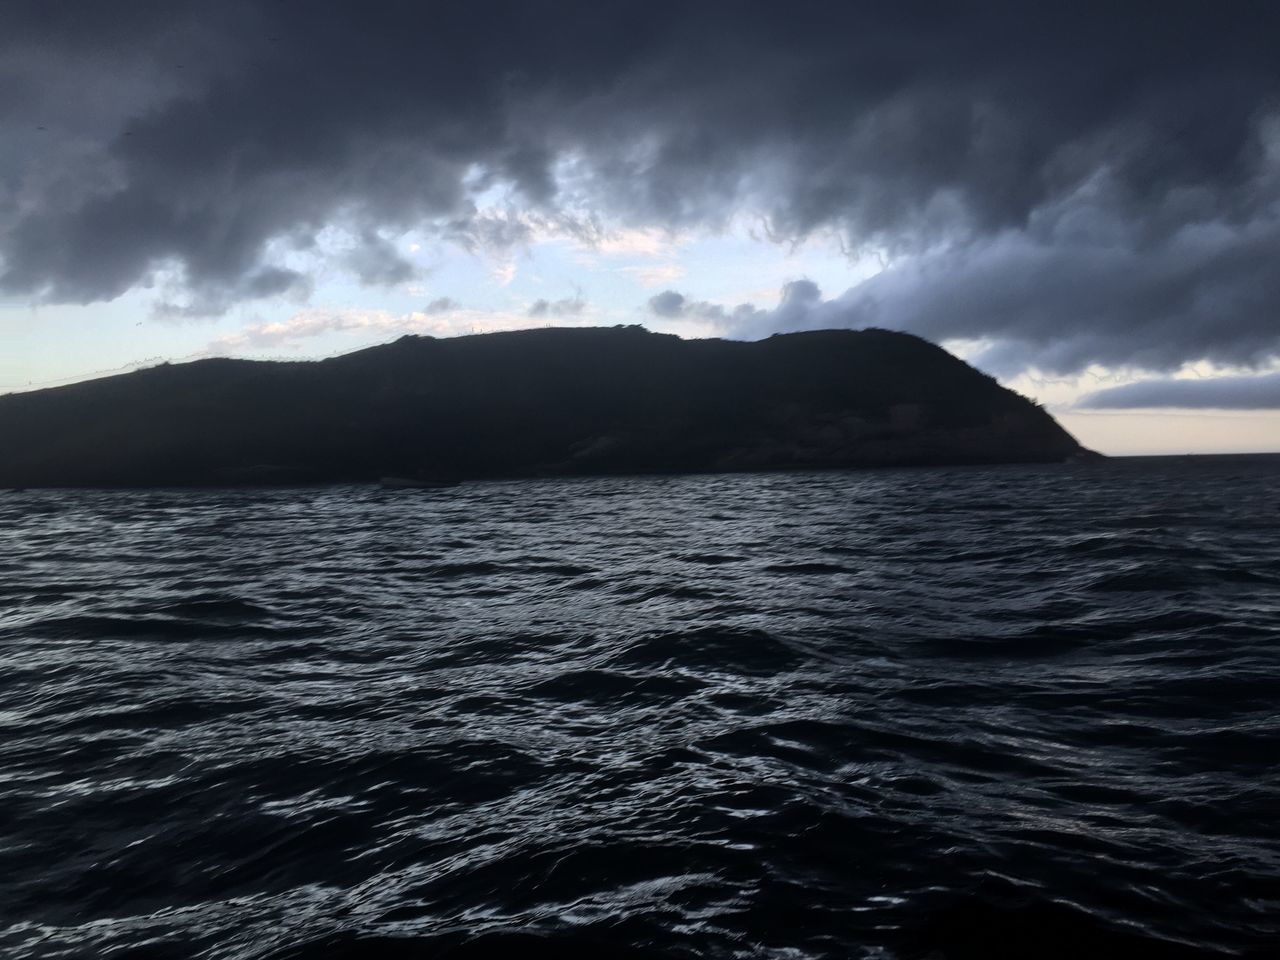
(537, 402)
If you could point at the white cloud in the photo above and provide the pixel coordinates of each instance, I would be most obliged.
(658, 275)
(504, 272)
(377, 325)
(649, 242)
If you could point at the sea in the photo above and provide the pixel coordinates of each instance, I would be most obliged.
(1019, 711)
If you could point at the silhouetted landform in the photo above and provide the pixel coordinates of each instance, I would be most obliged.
(528, 403)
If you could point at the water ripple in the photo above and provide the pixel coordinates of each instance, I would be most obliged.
(979, 712)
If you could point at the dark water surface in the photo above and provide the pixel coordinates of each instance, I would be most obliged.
(1017, 711)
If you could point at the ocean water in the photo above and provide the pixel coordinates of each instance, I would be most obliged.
(1017, 711)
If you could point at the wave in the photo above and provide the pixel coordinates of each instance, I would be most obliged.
(899, 715)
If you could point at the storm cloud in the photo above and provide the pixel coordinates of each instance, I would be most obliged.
(1074, 183)
(1214, 393)
(671, 305)
(441, 305)
(566, 307)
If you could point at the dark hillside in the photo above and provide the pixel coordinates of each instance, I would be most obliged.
(600, 400)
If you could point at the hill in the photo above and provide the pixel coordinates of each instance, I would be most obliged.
(533, 402)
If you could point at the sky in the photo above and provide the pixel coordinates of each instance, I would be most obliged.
(1082, 199)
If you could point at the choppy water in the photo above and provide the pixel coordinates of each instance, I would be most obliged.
(978, 712)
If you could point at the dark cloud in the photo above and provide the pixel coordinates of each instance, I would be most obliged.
(1061, 296)
(568, 307)
(266, 282)
(273, 280)
(441, 305)
(800, 307)
(376, 262)
(668, 303)
(1077, 182)
(1220, 393)
(737, 320)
